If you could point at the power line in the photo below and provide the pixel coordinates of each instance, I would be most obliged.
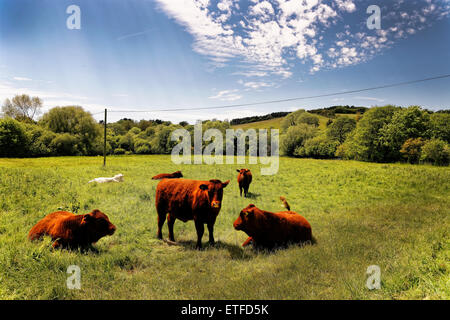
(287, 100)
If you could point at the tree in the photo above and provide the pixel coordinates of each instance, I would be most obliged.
(75, 121)
(436, 151)
(340, 128)
(22, 107)
(295, 137)
(440, 126)
(13, 138)
(364, 143)
(406, 123)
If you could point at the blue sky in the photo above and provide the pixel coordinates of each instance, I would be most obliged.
(162, 54)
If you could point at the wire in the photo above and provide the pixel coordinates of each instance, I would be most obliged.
(289, 99)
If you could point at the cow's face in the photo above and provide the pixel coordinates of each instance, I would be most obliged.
(98, 225)
(246, 217)
(243, 171)
(215, 192)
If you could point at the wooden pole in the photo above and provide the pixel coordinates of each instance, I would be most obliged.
(104, 140)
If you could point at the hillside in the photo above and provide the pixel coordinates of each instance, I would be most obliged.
(276, 123)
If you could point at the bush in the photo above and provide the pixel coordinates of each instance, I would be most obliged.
(436, 151)
(295, 137)
(119, 151)
(13, 139)
(65, 144)
(320, 147)
(412, 149)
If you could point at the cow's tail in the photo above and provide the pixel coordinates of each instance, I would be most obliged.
(284, 203)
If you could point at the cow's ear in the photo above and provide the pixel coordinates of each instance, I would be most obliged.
(224, 184)
(203, 187)
(87, 218)
(251, 205)
(238, 170)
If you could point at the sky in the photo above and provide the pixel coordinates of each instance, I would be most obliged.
(148, 55)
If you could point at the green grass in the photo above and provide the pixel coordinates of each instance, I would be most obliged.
(395, 216)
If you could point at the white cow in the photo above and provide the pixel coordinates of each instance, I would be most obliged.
(116, 178)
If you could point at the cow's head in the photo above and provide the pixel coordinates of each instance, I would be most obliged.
(97, 225)
(246, 219)
(215, 192)
(177, 174)
(243, 171)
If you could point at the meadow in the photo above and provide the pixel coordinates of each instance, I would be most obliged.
(395, 216)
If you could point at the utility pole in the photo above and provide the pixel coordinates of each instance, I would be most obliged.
(104, 140)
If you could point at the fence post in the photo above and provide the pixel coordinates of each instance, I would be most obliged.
(104, 140)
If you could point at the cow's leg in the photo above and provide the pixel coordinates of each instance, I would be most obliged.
(211, 231)
(240, 190)
(170, 222)
(199, 226)
(245, 192)
(247, 242)
(161, 220)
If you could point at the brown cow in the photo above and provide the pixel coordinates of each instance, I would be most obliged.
(189, 200)
(269, 230)
(175, 175)
(244, 179)
(69, 230)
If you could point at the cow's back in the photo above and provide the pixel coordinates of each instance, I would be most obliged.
(49, 225)
(180, 197)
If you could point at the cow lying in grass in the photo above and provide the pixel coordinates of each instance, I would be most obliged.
(186, 199)
(69, 230)
(175, 175)
(116, 178)
(269, 230)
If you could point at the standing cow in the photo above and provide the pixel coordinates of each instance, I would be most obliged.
(189, 200)
(244, 179)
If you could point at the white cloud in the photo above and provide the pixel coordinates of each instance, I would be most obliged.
(22, 79)
(227, 95)
(270, 35)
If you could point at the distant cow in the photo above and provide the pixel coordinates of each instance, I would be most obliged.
(69, 230)
(175, 175)
(189, 200)
(244, 179)
(116, 178)
(269, 230)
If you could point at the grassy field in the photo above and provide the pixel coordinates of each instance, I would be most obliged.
(395, 216)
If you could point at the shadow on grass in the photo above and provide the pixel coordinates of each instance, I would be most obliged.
(251, 195)
(236, 252)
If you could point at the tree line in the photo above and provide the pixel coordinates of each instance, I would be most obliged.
(378, 134)
(382, 134)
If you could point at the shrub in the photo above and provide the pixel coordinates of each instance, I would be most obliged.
(435, 151)
(320, 147)
(411, 149)
(295, 137)
(119, 151)
(65, 144)
(13, 139)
